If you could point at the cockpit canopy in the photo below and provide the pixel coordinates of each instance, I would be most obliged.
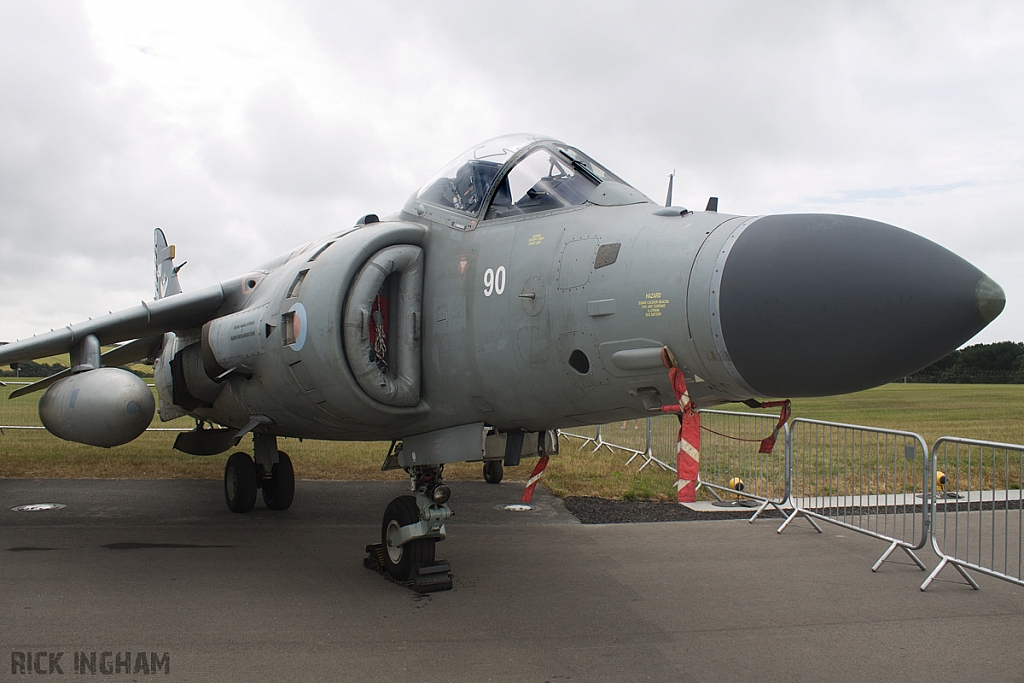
(514, 175)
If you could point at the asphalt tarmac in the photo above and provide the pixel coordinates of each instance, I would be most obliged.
(163, 568)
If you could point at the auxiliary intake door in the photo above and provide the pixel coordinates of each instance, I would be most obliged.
(382, 325)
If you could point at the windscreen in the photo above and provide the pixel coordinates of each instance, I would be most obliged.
(463, 183)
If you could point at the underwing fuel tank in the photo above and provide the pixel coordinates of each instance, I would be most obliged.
(812, 304)
(104, 407)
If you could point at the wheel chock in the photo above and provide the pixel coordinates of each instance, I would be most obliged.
(432, 577)
(429, 578)
(374, 559)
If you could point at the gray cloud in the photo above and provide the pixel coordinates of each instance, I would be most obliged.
(902, 112)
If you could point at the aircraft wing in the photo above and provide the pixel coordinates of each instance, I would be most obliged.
(127, 353)
(148, 319)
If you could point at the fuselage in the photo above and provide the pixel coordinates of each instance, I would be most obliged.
(504, 309)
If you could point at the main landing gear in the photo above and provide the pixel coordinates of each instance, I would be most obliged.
(412, 526)
(272, 472)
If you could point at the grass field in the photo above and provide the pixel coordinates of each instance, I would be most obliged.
(991, 412)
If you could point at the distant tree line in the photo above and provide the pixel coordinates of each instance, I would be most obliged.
(33, 369)
(999, 363)
(30, 368)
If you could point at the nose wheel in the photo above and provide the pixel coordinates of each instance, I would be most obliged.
(399, 560)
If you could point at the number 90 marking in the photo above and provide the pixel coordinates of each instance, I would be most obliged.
(494, 281)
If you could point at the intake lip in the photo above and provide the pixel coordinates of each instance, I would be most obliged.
(816, 304)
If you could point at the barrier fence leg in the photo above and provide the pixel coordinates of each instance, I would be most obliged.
(584, 440)
(647, 455)
(915, 558)
(759, 511)
(789, 519)
(700, 485)
(599, 441)
(764, 506)
(798, 512)
(885, 556)
(896, 544)
(945, 560)
(647, 460)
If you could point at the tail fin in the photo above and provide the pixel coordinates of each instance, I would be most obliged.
(166, 272)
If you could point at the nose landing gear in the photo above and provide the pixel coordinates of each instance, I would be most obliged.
(412, 526)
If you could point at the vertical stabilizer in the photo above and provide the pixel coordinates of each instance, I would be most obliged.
(166, 272)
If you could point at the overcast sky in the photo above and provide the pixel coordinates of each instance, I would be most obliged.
(246, 128)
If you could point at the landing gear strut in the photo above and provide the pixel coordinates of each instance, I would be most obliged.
(272, 472)
(412, 526)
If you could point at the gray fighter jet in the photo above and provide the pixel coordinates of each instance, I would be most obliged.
(523, 289)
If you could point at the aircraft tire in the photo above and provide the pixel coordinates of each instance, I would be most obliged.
(400, 562)
(240, 482)
(493, 471)
(279, 490)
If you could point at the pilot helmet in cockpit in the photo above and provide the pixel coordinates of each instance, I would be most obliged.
(472, 181)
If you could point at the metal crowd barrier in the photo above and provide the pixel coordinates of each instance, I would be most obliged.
(582, 437)
(597, 439)
(648, 453)
(729, 451)
(633, 437)
(626, 435)
(665, 437)
(865, 479)
(17, 414)
(976, 511)
(23, 412)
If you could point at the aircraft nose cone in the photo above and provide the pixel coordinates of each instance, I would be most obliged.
(991, 299)
(816, 304)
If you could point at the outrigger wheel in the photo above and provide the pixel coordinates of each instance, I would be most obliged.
(493, 471)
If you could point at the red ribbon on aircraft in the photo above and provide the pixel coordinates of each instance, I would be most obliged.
(688, 454)
(534, 478)
(768, 443)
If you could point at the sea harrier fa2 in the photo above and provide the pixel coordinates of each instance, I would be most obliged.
(523, 289)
